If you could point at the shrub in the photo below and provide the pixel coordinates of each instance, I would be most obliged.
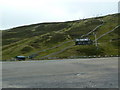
(26, 49)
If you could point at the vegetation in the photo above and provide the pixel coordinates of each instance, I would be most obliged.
(46, 38)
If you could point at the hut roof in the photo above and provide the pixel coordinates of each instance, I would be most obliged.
(85, 39)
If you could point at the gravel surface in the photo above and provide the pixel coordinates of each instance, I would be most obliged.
(70, 73)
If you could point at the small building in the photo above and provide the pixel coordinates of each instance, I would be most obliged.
(20, 57)
(83, 41)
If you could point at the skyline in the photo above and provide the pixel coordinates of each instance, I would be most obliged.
(24, 12)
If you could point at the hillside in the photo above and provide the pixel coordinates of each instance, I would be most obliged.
(56, 39)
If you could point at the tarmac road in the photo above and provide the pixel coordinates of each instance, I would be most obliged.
(71, 73)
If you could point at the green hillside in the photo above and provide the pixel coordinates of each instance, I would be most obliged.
(56, 39)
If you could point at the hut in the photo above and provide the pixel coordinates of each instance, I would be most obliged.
(83, 41)
(20, 57)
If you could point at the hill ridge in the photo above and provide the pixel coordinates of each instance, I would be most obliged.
(31, 39)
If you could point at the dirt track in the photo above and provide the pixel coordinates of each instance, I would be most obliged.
(71, 73)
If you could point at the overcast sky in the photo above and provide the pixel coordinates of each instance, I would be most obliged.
(15, 13)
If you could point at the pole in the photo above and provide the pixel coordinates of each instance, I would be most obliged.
(95, 40)
(96, 44)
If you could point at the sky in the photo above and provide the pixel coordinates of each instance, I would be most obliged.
(14, 13)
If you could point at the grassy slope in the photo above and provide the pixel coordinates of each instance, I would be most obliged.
(30, 39)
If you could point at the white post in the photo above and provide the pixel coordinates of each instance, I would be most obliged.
(95, 40)
(96, 44)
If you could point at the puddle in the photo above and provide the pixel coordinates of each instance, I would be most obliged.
(82, 73)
